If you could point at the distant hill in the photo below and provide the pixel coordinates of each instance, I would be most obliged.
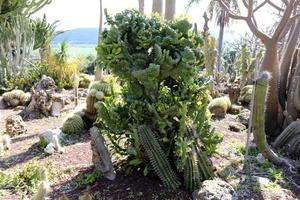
(78, 36)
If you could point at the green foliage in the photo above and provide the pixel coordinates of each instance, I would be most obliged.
(89, 178)
(275, 174)
(157, 64)
(27, 179)
(73, 125)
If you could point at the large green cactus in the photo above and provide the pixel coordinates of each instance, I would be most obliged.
(258, 122)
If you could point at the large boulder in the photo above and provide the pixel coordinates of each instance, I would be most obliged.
(15, 125)
(215, 190)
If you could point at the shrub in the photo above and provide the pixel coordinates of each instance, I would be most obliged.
(161, 113)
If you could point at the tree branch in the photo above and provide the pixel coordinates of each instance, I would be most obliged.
(229, 12)
(260, 5)
(284, 20)
(275, 6)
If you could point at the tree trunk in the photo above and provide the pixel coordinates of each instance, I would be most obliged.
(286, 62)
(220, 41)
(99, 70)
(270, 64)
(141, 6)
(170, 9)
(157, 7)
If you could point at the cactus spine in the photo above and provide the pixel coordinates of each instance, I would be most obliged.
(158, 158)
(258, 120)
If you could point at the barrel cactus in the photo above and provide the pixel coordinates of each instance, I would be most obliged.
(16, 97)
(160, 119)
(219, 106)
(74, 125)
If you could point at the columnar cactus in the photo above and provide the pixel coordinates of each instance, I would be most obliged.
(258, 122)
(210, 55)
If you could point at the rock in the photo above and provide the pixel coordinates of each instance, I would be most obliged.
(261, 180)
(57, 105)
(47, 136)
(15, 125)
(19, 108)
(233, 91)
(236, 127)
(244, 117)
(215, 190)
(260, 158)
(235, 109)
(3, 105)
(101, 156)
(50, 149)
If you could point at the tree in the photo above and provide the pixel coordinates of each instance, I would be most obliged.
(157, 6)
(170, 9)
(141, 6)
(222, 20)
(44, 33)
(270, 60)
(99, 69)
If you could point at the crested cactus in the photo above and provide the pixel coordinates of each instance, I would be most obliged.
(289, 133)
(158, 159)
(73, 125)
(16, 97)
(161, 92)
(219, 106)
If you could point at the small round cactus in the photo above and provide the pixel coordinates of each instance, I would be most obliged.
(73, 125)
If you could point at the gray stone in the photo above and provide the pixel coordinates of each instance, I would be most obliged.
(236, 127)
(244, 117)
(261, 180)
(15, 125)
(3, 105)
(260, 158)
(101, 156)
(215, 190)
(235, 109)
(48, 135)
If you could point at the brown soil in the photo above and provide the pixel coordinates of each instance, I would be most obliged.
(77, 161)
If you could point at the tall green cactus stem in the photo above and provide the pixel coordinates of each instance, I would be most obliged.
(258, 121)
(158, 158)
(289, 133)
(210, 53)
(192, 175)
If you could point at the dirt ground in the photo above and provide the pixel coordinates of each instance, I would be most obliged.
(77, 161)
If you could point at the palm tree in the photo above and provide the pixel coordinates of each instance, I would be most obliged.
(99, 69)
(222, 19)
(157, 6)
(141, 6)
(170, 7)
(44, 33)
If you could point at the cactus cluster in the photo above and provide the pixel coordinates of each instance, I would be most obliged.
(16, 97)
(157, 64)
(99, 90)
(84, 81)
(74, 125)
(246, 94)
(219, 106)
